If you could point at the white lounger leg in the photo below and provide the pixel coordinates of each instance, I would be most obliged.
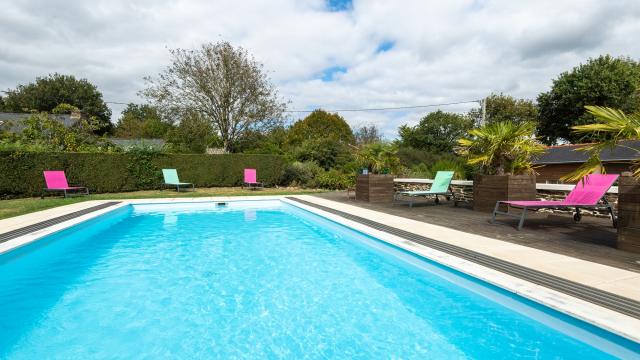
(522, 216)
(495, 211)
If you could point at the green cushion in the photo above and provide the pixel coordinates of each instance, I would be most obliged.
(170, 176)
(441, 182)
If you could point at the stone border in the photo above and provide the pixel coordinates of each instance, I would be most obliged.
(4, 237)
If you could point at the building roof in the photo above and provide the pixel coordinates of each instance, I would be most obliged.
(13, 122)
(566, 154)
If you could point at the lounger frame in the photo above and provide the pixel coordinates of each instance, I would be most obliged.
(177, 186)
(68, 192)
(398, 197)
(576, 216)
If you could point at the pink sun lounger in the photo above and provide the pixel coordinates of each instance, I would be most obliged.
(56, 180)
(251, 179)
(588, 193)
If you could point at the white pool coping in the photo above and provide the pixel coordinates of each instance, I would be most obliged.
(615, 322)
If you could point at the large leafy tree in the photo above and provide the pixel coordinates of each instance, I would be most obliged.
(502, 107)
(141, 121)
(438, 131)
(192, 135)
(321, 137)
(603, 81)
(321, 124)
(46, 93)
(221, 83)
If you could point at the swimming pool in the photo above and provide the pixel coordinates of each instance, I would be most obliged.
(261, 279)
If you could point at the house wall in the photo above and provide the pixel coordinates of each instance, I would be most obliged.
(553, 172)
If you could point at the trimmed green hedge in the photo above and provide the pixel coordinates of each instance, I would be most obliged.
(21, 172)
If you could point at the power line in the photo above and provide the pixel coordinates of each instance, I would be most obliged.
(362, 109)
(390, 108)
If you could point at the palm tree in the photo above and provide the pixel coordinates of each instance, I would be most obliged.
(501, 148)
(613, 126)
(379, 158)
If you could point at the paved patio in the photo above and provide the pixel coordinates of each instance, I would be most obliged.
(593, 239)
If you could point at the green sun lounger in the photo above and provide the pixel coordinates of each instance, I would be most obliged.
(171, 179)
(441, 186)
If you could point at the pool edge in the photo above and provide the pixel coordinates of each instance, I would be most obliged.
(610, 320)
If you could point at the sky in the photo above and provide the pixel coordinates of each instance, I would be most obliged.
(332, 54)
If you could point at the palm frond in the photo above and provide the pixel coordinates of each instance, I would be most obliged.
(616, 126)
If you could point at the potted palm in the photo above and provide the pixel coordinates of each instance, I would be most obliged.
(502, 154)
(614, 127)
(379, 161)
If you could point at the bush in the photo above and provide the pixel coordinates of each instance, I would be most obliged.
(334, 180)
(117, 172)
(420, 171)
(301, 173)
(451, 164)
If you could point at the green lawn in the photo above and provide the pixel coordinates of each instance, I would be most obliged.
(15, 207)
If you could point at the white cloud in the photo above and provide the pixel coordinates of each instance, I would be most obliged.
(442, 51)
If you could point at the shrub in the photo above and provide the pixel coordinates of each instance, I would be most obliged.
(301, 173)
(451, 164)
(420, 171)
(117, 172)
(334, 180)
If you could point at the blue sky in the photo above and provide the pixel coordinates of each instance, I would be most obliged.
(333, 54)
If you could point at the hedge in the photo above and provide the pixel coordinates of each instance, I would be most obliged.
(21, 172)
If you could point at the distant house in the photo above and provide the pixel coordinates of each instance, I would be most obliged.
(14, 122)
(558, 161)
(155, 144)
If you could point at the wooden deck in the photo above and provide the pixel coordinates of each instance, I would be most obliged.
(592, 239)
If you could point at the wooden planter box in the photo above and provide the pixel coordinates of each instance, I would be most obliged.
(375, 188)
(628, 214)
(488, 189)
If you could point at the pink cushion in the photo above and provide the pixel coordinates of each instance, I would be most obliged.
(250, 176)
(56, 179)
(587, 192)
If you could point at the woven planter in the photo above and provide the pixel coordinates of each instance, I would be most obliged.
(488, 189)
(628, 213)
(375, 188)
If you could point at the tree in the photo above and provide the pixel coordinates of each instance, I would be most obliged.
(379, 158)
(367, 135)
(321, 137)
(325, 151)
(141, 121)
(501, 107)
(44, 132)
(501, 148)
(604, 81)
(321, 124)
(271, 142)
(46, 93)
(438, 131)
(223, 84)
(193, 135)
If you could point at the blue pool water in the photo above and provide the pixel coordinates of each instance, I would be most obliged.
(261, 279)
